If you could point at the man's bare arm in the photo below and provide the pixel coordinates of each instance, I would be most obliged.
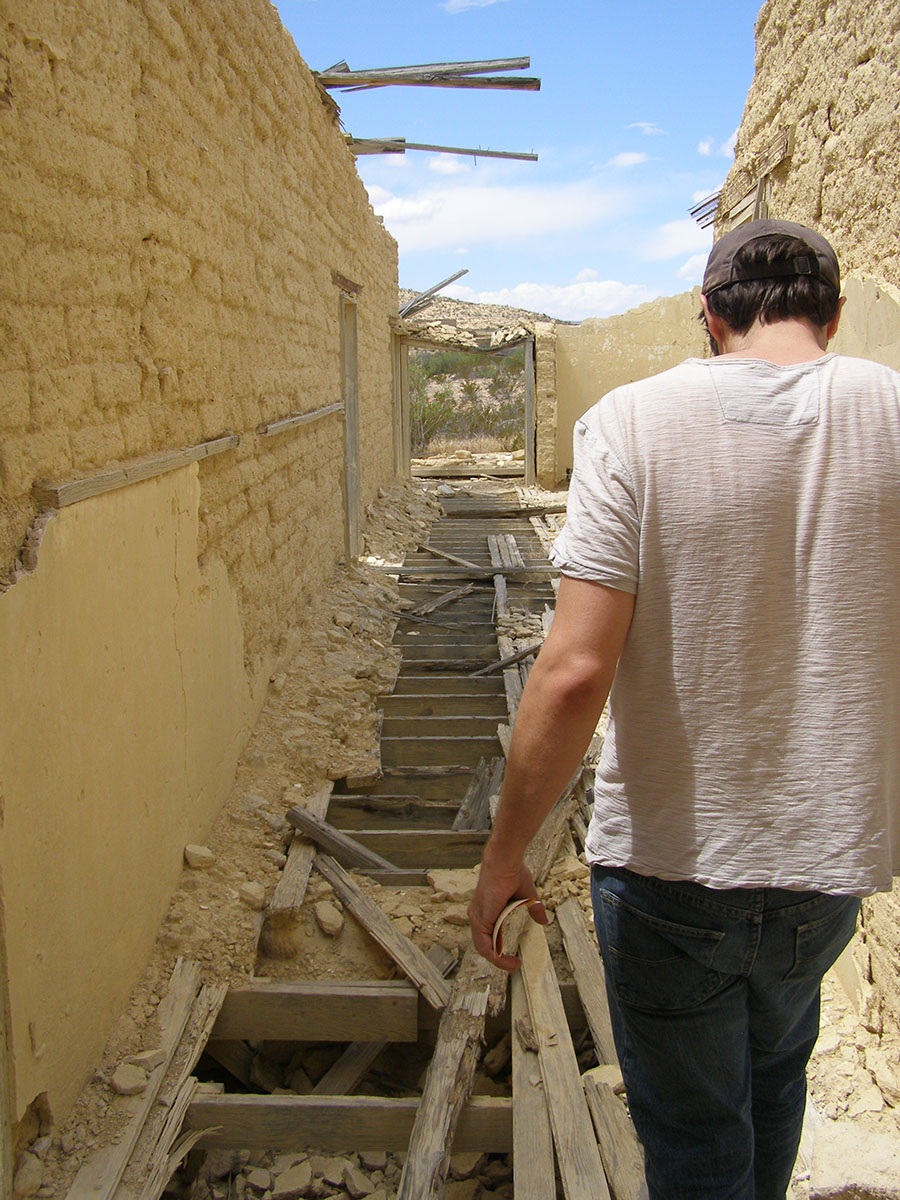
(557, 716)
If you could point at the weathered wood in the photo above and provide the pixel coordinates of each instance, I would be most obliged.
(476, 67)
(60, 495)
(503, 546)
(389, 812)
(475, 810)
(290, 890)
(442, 601)
(620, 1149)
(501, 596)
(509, 661)
(272, 427)
(100, 1175)
(530, 415)
(504, 512)
(425, 847)
(354, 79)
(380, 1010)
(533, 1160)
(480, 704)
(340, 845)
(332, 1123)
(421, 299)
(452, 558)
(428, 751)
(580, 1166)
(235, 1056)
(587, 967)
(410, 878)
(170, 1149)
(449, 1079)
(534, 574)
(408, 957)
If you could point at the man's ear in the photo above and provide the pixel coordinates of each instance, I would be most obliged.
(716, 325)
(832, 327)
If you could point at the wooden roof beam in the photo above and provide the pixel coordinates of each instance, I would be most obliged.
(401, 145)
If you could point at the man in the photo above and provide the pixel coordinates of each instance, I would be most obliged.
(732, 557)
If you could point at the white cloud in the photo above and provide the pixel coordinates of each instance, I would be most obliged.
(462, 250)
(448, 164)
(676, 238)
(571, 302)
(647, 128)
(706, 147)
(455, 6)
(377, 195)
(692, 269)
(628, 158)
(586, 274)
(727, 148)
(444, 216)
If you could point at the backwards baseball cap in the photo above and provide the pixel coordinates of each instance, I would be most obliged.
(815, 258)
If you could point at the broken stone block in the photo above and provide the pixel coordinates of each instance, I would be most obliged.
(850, 1163)
(356, 1183)
(148, 1060)
(329, 919)
(333, 1170)
(464, 1166)
(29, 1175)
(128, 1079)
(373, 1160)
(199, 858)
(293, 1183)
(456, 884)
(463, 1189)
(259, 1180)
(253, 895)
(455, 914)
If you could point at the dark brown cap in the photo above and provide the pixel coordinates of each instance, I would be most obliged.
(817, 258)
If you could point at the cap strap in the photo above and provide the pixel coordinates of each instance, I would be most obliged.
(803, 264)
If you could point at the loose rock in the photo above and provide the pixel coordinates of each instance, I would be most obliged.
(199, 858)
(328, 918)
(128, 1079)
(29, 1176)
(253, 895)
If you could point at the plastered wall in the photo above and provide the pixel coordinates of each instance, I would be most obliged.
(828, 70)
(600, 354)
(178, 214)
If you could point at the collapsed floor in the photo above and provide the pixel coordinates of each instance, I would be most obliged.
(378, 642)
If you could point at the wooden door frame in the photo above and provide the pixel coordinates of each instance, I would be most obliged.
(350, 398)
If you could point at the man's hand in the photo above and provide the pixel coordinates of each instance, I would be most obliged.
(496, 888)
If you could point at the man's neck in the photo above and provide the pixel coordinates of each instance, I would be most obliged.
(783, 342)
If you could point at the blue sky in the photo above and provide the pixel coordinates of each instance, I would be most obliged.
(635, 121)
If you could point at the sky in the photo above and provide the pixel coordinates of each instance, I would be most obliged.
(635, 121)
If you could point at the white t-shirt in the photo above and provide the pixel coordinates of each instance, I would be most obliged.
(754, 510)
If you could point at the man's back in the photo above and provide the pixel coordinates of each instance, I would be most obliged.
(755, 511)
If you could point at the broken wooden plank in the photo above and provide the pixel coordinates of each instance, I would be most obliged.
(408, 957)
(308, 1011)
(449, 1078)
(411, 848)
(60, 495)
(442, 601)
(287, 899)
(332, 1123)
(100, 1175)
(509, 661)
(587, 967)
(533, 1160)
(235, 1056)
(169, 1150)
(345, 849)
(452, 558)
(475, 810)
(620, 1148)
(387, 812)
(291, 422)
(580, 1166)
(476, 67)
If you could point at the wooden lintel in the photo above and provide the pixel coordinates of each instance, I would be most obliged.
(401, 145)
(346, 850)
(332, 1123)
(60, 495)
(363, 79)
(345, 284)
(476, 67)
(272, 427)
(320, 1012)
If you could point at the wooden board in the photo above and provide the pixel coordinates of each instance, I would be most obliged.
(580, 1166)
(343, 847)
(291, 888)
(320, 1012)
(620, 1149)
(420, 848)
(408, 957)
(475, 810)
(443, 600)
(333, 1123)
(391, 812)
(587, 967)
(439, 727)
(533, 1159)
(429, 752)
(475, 704)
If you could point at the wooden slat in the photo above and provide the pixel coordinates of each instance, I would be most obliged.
(580, 1166)
(620, 1149)
(391, 812)
(475, 810)
(476, 67)
(443, 600)
(308, 1011)
(60, 495)
(426, 847)
(100, 1175)
(408, 957)
(426, 751)
(449, 1078)
(340, 845)
(452, 558)
(442, 705)
(533, 1159)
(587, 967)
(295, 419)
(332, 1123)
(508, 660)
(290, 890)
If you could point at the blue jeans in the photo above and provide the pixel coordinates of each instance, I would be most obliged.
(714, 1000)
